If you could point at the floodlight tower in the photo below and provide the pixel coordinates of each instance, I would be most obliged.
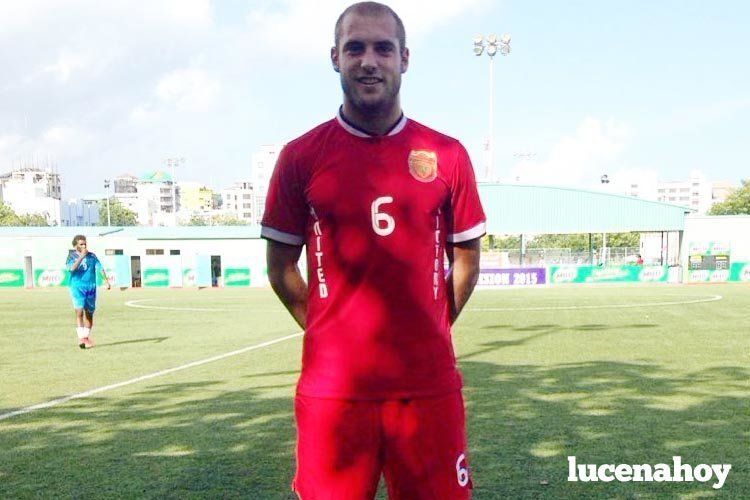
(109, 217)
(492, 44)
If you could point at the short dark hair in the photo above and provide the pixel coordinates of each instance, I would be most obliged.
(371, 9)
(78, 237)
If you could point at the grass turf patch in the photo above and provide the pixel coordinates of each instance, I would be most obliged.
(631, 374)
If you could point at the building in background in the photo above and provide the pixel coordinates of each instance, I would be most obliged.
(196, 200)
(246, 198)
(195, 197)
(126, 192)
(32, 190)
(158, 187)
(216, 199)
(150, 197)
(643, 185)
(261, 168)
(125, 184)
(695, 192)
(79, 212)
(238, 201)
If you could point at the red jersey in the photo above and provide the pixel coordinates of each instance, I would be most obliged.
(375, 214)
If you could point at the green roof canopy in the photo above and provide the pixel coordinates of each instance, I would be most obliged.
(523, 209)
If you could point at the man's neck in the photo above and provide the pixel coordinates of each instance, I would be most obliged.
(376, 124)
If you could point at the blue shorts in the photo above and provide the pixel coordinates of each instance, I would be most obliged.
(84, 297)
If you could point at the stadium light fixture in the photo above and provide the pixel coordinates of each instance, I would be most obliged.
(491, 45)
(478, 45)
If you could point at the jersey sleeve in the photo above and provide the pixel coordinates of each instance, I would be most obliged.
(286, 211)
(466, 214)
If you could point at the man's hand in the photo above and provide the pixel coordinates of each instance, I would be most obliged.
(464, 259)
(286, 279)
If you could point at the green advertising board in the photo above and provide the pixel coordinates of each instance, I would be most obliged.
(237, 276)
(11, 278)
(708, 276)
(156, 277)
(44, 278)
(610, 274)
(708, 248)
(738, 271)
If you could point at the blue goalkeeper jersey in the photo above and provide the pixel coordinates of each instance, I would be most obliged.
(85, 273)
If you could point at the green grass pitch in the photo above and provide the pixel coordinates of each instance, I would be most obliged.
(610, 374)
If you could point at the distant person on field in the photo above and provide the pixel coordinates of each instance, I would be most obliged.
(215, 273)
(82, 265)
(639, 260)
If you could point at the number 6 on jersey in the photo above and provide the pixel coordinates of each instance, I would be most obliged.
(382, 223)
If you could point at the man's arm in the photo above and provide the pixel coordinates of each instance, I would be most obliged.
(464, 261)
(104, 275)
(100, 266)
(286, 279)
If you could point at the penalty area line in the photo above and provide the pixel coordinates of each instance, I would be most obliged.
(85, 394)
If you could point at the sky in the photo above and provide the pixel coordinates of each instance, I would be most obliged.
(634, 90)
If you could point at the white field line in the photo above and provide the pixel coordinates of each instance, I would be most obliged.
(81, 395)
(710, 298)
(137, 304)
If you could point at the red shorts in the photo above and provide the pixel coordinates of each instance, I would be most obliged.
(418, 444)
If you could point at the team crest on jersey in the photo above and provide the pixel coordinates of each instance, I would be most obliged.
(423, 165)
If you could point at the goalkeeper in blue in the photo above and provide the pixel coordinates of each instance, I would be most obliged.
(82, 265)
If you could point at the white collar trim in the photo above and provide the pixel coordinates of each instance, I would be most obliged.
(354, 131)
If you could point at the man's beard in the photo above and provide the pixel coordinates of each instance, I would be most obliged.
(371, 107)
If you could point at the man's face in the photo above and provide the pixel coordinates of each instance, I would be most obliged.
(80, 245)
(370, 61)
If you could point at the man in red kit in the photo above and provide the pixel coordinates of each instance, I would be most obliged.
(378, 200)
